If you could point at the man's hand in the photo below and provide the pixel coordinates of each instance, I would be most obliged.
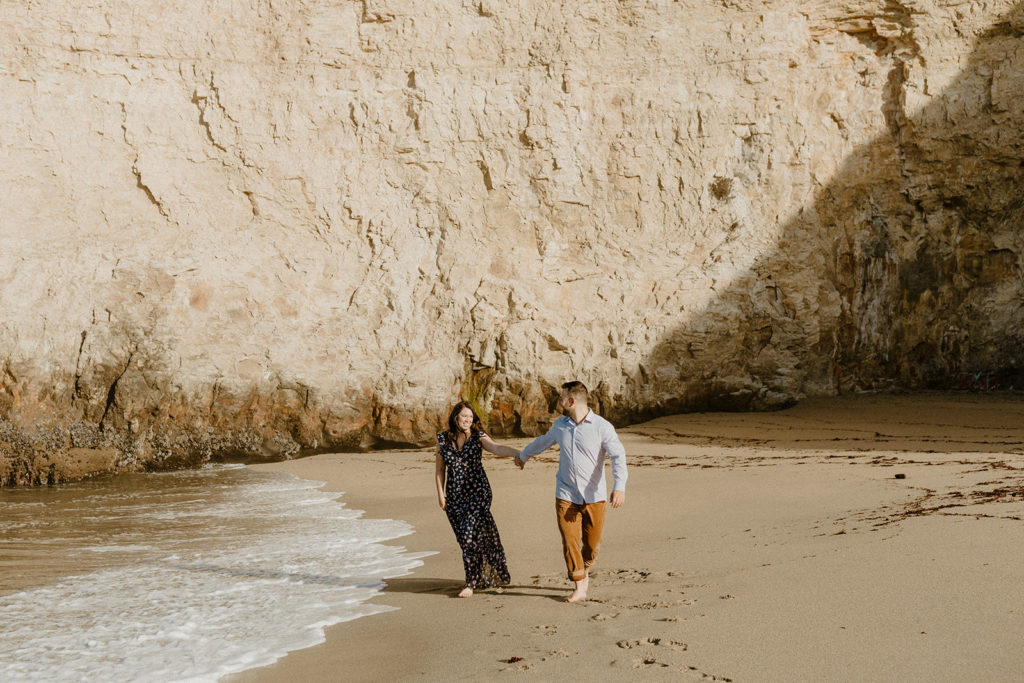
(618, 498)
(520, 463)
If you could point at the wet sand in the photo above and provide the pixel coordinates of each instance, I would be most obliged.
(752, 547)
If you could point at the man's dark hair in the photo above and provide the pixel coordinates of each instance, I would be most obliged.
(577, 390)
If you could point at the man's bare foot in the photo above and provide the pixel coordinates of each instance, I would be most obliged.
(580, 594)
(466, 592)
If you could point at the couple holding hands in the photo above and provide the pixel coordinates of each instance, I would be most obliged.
(583, 439)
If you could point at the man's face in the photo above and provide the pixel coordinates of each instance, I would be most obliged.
(565, 401)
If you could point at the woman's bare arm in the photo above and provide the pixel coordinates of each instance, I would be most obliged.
(490, 446)
(439, 478)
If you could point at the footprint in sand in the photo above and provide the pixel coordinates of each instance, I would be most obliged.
(660, 604)
(604, 616)
(619, 576)
(545, 629)
(545, 579)
(556, 581)
(706, 676)
(648, 663)
(652, 642)
(558, 654)
(680, 672)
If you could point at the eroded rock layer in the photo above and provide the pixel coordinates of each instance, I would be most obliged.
(245, 227)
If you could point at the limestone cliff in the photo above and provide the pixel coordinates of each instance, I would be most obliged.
(245, 227)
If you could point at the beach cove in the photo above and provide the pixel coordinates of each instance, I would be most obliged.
(761, 232)
(752, 547)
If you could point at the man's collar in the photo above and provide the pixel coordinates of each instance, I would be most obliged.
(589, 417)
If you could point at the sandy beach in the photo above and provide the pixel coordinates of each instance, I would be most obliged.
(869, 538)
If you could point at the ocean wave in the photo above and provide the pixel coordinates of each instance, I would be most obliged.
(286, 561)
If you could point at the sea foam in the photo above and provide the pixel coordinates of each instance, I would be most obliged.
(226, 573)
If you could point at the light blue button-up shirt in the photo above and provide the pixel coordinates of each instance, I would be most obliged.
(582, 448)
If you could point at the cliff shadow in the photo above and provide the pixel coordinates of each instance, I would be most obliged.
(918, 239)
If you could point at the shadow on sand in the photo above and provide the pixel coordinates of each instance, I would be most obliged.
(450, 589)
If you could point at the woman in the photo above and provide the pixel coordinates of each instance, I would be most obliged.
(465, 495)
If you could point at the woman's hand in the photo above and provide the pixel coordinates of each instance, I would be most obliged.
(442, 502)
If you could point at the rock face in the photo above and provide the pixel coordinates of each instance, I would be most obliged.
(245, 227)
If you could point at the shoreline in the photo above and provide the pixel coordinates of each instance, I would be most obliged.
(752, 546)
(99, 461)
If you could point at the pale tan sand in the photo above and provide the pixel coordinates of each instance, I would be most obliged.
(752, 547)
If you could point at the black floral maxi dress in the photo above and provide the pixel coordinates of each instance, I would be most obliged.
(468, 496)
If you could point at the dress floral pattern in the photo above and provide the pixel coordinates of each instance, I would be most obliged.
(468, 496)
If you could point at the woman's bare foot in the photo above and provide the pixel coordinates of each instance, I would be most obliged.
(580, 594)
(466, 592)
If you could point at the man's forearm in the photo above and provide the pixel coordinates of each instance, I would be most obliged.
(620, 473)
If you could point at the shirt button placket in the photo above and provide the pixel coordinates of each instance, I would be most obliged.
(575, 478)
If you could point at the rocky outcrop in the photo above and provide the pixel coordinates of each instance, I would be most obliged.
(249, 227)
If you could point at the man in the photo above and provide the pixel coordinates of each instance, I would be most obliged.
(583, 439)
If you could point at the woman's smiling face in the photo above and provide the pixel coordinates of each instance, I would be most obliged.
(465, 420)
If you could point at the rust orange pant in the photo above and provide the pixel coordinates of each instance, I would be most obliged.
(581, 526)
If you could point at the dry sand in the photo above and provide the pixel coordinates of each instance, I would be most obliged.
(752, 547)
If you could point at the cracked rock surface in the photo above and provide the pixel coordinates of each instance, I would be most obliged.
(246, 228)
